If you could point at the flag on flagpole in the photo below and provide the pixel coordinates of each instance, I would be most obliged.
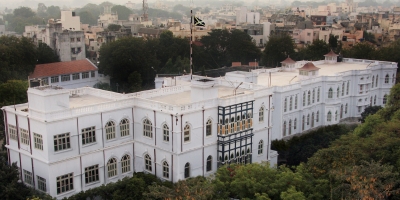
(198, 21)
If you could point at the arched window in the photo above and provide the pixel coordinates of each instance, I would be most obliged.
(284, 128)
(165, 169)
(304, 98)
(187, 170)
(313, 96)
(290, 127)
(147, 162)
(384, 99)
(209, 163)
(295, 102)
(376, 82)
(329, 116)
(336, 115)
(345, 109)
(110, 130)
(337, 92)
(312, 120)
(209, 127)
(112, 167)
(291, 103)
(248, 156)
(387, 78)
(308, 97)
(341, 111)
(373, 81)
(186, 133)
(308, 119)
(285, 105)
(295, 124)
(126, 163)
(147, 128)
(124, 127)
(343, 89)
(260, 147)
(165, 133)
(303, 123)
(317, 117)
(261, 114)
(348, 87)
(318, 92)
(330, 93)
(375, 100)
(393, 78)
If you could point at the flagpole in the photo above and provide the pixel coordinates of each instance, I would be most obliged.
(191, 40)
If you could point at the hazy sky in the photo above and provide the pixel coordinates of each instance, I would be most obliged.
(68, 3)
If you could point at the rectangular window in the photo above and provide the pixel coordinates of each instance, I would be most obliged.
(88, 135)
(85, 75)
(45, 81)
(38, 141)
(78, 39)
(65, 78)
(72, 39)
(41, 183)
(12, 132)
(61, 142)
(78, 50)
(93, 74)
(359, 109)
(75, 76)
(361, 89)
(24, 136)
(73, 50)
(92, 174)
(54, 79)
(28, 177)
(65, 183)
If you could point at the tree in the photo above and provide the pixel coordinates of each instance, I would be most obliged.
(122, 11)
(370, 110)
(54, 12)
(277, 49)
(18, 57)
(121, 58)
(87, 18)
(135, 82)
(361, 50)
(24, 12)
(316, 50)
(42, 10)
(46, 54)
(114, 27)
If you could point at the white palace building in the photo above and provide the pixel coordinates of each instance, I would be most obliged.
(68, 140)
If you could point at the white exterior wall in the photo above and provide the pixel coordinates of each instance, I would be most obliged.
(72, 84)
(70, 22)
(50, 120)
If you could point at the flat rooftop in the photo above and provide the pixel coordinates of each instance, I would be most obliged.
(283, 78)
(86, 100)
(183, 98)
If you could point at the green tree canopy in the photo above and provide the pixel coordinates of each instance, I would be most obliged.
(121, 58)
(87, 18)
(114, 27)
(46, 55)
(122, 11)
(277, 49)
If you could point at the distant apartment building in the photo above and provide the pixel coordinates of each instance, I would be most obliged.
(107, 17)
(243, 16)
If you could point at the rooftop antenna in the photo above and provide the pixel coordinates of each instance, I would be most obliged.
(191, 39)
(145, 9)
(234, 92)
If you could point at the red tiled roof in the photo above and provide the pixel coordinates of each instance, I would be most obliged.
(58, 68)
(309, 67)
(331, 53)
(288, 60)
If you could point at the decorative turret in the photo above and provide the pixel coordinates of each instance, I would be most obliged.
(309, 70)
(331, 57)
(288, 64)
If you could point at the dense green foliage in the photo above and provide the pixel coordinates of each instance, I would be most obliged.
(299, 148)
(126, 189)
(370, 110)
(122, 11)
(277, 49)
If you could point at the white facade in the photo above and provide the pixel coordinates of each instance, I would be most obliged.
(186, 128)
(70, 21)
